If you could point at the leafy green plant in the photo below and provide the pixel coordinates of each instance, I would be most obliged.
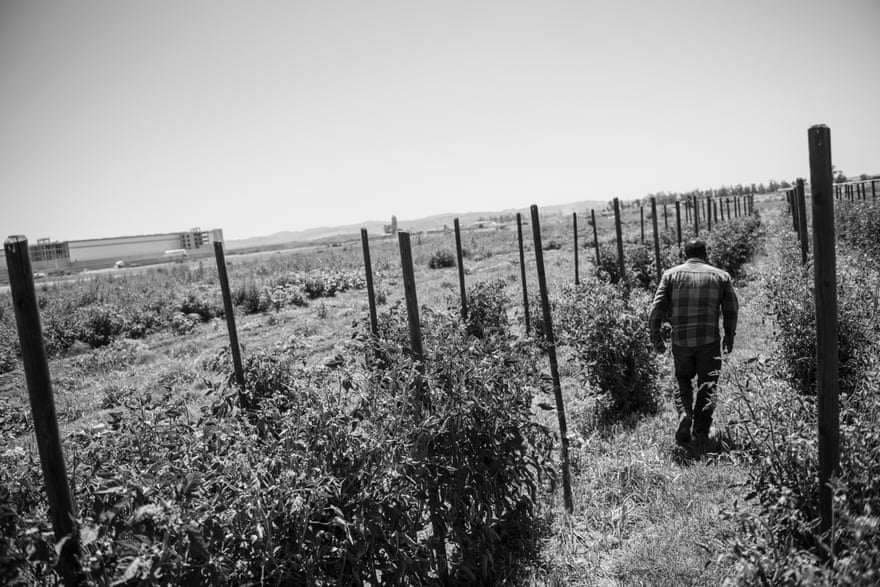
(790, 296)
(441, 259)
(733, 243)
(609, 338)
(487, 309)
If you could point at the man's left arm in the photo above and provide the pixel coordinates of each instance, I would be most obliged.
(730, 314)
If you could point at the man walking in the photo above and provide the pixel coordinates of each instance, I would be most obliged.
(690, 297)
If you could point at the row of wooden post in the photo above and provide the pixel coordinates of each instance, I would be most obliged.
(744, 207)
(855, 190)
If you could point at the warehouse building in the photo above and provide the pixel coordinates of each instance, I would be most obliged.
(47, 255)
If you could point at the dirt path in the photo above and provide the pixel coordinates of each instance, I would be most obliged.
(648, 512)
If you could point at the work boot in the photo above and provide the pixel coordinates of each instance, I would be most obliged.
(683, 434)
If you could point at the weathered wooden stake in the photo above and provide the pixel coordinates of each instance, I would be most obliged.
(802, 220)
(42, 400)
(665, 218)
(230, 314)
(418, 354)
(621, 262)
(696, 217)
(709, 214)
(795, 211)
(371, 296)
(825, 263)
(574, 222)
(659, 270)
(678, 224)
(550, 343)
(522, 270)
(460, 265)
(642, 216)
(596, 238)
(412, 302)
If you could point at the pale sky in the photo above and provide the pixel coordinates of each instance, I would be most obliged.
(124, 117)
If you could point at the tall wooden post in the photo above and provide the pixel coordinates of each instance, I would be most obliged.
(412, 301)
(678, 223)
(642, 217)
(574, 221)
(696, 217)
(522, 270)
(230, 314)
(827, 366)
(795, 211)
(709, 214)
(802, 220)
(550, 342)
(42, 400)
(621, 263)
(460, 263)
(595, 238)
(659, 269)
(418, 355)
(371, 295)
(665, 218)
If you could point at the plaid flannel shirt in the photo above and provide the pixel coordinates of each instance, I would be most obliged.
(690, 297)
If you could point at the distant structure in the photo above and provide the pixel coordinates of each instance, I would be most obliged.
(47, 255)
(391, 228)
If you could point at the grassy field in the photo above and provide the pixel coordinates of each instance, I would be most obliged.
(646, 511)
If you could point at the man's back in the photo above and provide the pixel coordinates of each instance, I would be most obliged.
(691, 296)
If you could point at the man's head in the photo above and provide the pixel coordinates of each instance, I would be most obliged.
(695, 248)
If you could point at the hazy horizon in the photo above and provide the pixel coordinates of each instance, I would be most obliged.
(262, 117)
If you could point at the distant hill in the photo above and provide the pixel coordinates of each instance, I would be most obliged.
(436, 222)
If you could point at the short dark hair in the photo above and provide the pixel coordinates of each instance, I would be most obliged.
(695, 248)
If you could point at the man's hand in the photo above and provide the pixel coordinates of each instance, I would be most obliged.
(727, 343)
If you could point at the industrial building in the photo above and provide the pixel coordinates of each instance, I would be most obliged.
(48, 255)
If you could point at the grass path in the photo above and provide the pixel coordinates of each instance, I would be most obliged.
(648, 512)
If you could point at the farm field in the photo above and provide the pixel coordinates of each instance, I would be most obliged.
(309, 477)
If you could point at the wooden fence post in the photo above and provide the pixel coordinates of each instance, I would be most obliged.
(460, 264)
(418, 355)
(678, 223)
(795, 211)
(595, 238)
(550, 342)
(642, 217)
(42, 400)
(412, 302)
(230, 315)
(665, 218)
(696, 217)
(825, 263)
(522, 270)
(371, 295)
(709, 214)
(659, 270)
(802, 220)
(621, 263)
(874, 188)
(574, 220)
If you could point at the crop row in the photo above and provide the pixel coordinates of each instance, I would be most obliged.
(104, 309)
(376, 470)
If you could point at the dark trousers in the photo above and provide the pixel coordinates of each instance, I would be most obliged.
(704, 363)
